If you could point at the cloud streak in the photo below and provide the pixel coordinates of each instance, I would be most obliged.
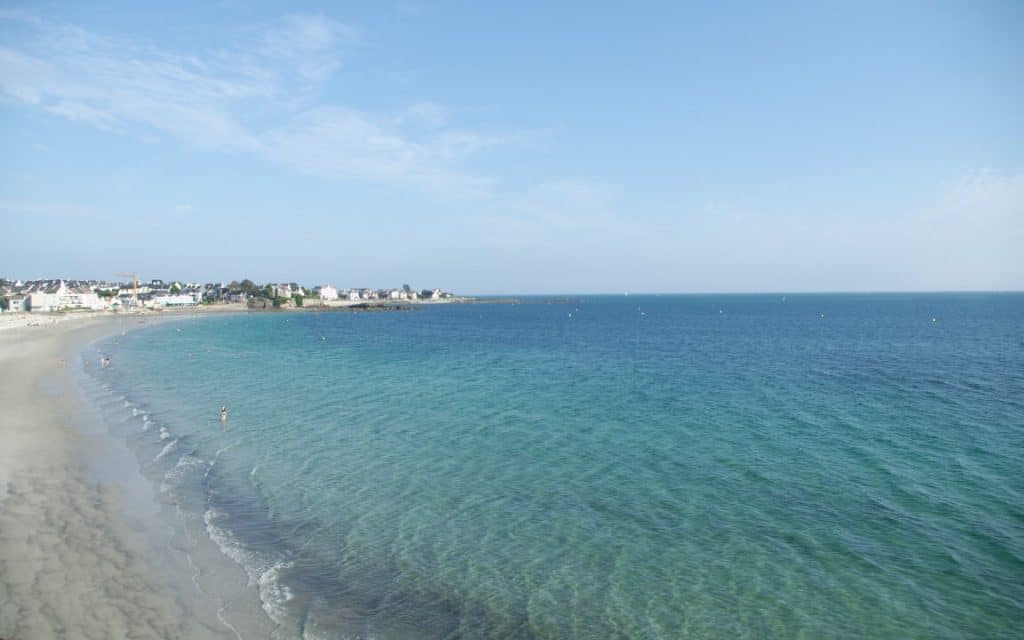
(967, 237)
(340, 142)
(261, 97)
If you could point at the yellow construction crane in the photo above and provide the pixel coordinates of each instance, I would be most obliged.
(135, 285)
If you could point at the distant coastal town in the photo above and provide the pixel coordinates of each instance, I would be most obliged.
(64, 295)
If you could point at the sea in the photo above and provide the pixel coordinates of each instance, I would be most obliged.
(586, 467)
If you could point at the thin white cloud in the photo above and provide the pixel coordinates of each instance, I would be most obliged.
(568, 199)
(427, 113)
(983, 195)
(969, 237)
(263, 96)
(554, 209)
(973, 233)
(549, 217)
(78, 75)
(303, 49)
(338, 142)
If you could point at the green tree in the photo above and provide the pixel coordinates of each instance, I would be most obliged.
(297, 297)
(5, 304)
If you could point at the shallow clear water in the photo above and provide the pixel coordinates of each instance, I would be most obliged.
(604, 467)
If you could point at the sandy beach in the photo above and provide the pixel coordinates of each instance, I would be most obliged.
(72, 565)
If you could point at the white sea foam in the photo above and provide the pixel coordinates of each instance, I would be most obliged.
(228, 544)
(273, 594)
(164, 433)
(216, 456)
(167, 449)
(261, 572)
(185, 464)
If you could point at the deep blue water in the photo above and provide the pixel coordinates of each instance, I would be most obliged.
(819, 466)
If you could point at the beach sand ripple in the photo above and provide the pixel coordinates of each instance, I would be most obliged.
(69, 565)
(65, 569)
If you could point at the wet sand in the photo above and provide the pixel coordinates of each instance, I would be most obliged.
(72, 565)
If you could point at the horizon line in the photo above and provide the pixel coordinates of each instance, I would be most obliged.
(750, 293)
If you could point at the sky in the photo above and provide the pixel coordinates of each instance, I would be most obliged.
(521, 148)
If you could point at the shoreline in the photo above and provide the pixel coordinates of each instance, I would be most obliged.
(27, 319)
(17, 320)
(83, 543)
(87, 542)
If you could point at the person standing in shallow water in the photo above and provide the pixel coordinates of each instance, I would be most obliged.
(224, 413)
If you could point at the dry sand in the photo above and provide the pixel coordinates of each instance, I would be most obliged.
(69, 566)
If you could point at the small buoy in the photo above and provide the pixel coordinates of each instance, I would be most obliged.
(934, 320)
(823, 315)
(322, 338)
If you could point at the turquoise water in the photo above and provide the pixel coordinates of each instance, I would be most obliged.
(603, 467)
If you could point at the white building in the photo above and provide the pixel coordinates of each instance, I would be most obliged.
(38, 301)
(283, 290)
(80, 299)
(353, 294)
(181, 300)
(17, 304)
(327, 292)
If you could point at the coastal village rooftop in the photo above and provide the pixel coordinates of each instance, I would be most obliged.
(59, 295)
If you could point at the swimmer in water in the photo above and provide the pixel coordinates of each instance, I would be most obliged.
(224, 413)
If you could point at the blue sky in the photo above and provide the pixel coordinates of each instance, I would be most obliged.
(584, 147)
